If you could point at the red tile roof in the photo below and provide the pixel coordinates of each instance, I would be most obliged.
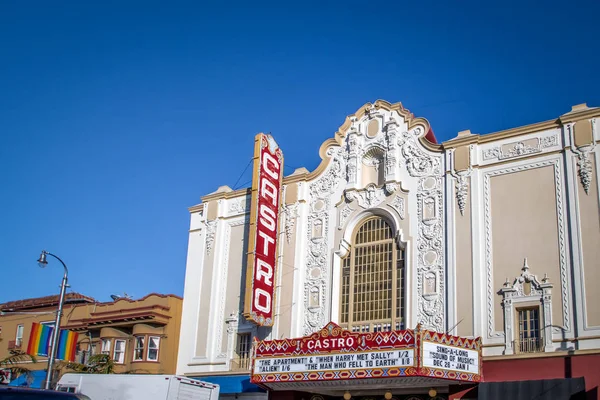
(45, 301)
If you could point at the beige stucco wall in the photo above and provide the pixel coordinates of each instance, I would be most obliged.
(583, 133)
(291, 193)
(211, 209)
(286, 285)
(524, 224)
(464, 267)
(205, 304)
(372, 175)
(235, 284)
(590, 241)
(462, 159)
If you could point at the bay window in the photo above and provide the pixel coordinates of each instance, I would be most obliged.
(138, 351)
(153, 344)
(119, 351)
(105, 346)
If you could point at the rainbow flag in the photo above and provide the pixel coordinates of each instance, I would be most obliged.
(39, 340)
(67, 345)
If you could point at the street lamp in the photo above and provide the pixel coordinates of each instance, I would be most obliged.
(56, 334)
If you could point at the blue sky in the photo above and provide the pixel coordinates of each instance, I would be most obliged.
(116, 116)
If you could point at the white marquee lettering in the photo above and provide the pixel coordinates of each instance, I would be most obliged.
(269, 159)
(267, 241)
(268, 191)
(330, 343)
(262, 301)
(264, 272)
(267, 217)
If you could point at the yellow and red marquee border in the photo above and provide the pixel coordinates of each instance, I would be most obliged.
(362, 342)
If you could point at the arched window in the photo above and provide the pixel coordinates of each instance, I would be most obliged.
(372, 287)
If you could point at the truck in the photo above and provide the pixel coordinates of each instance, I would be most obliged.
(137, 387)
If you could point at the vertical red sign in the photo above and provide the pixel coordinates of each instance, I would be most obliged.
(264, 228)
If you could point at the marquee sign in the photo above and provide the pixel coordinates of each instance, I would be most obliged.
(450, 357)
(337, 354)
(264, 223)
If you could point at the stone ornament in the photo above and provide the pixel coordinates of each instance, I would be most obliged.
(514, 293)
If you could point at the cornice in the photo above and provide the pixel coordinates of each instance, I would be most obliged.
(575, 116)
(226, 195)
(435, 147)
(412, 122)
(196, 208)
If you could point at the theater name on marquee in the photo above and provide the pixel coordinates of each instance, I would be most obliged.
(333, 362)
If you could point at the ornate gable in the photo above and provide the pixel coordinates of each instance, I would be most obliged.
(378, 163)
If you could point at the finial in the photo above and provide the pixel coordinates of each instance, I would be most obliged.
(525, 265)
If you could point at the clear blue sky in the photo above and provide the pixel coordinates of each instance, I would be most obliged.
(116, 116)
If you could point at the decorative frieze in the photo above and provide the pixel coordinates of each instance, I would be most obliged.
(290, 211)
(397, 204)
(317, 273)
(521, 148)
(584, 165)
(236, 206)
(211, 227)
(368, 198)
(461, 188)
(344, 213)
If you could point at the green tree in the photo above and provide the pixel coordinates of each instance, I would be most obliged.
(13, 363)
(97, 364)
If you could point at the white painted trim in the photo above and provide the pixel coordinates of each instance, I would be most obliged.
(192, 300)
(281, 240)
(299, 270)
(583, 329)
(216, 284)
(451, 268)
(478, 255)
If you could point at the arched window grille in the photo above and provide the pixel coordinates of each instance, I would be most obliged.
(372, 287)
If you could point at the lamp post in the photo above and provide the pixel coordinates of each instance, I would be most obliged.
(56, 331)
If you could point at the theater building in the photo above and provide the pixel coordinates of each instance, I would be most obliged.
(402, 268)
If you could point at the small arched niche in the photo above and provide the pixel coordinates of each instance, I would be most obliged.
(373, 171)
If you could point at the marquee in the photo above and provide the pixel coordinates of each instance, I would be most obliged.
(335, 354)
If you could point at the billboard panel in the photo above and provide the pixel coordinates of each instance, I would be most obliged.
(264, 229)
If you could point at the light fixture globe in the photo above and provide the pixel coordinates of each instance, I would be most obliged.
(42, 262)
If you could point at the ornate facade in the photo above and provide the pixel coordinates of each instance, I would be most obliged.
(497, 234)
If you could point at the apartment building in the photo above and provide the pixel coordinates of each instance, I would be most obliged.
(141, 336)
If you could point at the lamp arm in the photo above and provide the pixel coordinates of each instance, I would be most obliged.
(61, 261)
